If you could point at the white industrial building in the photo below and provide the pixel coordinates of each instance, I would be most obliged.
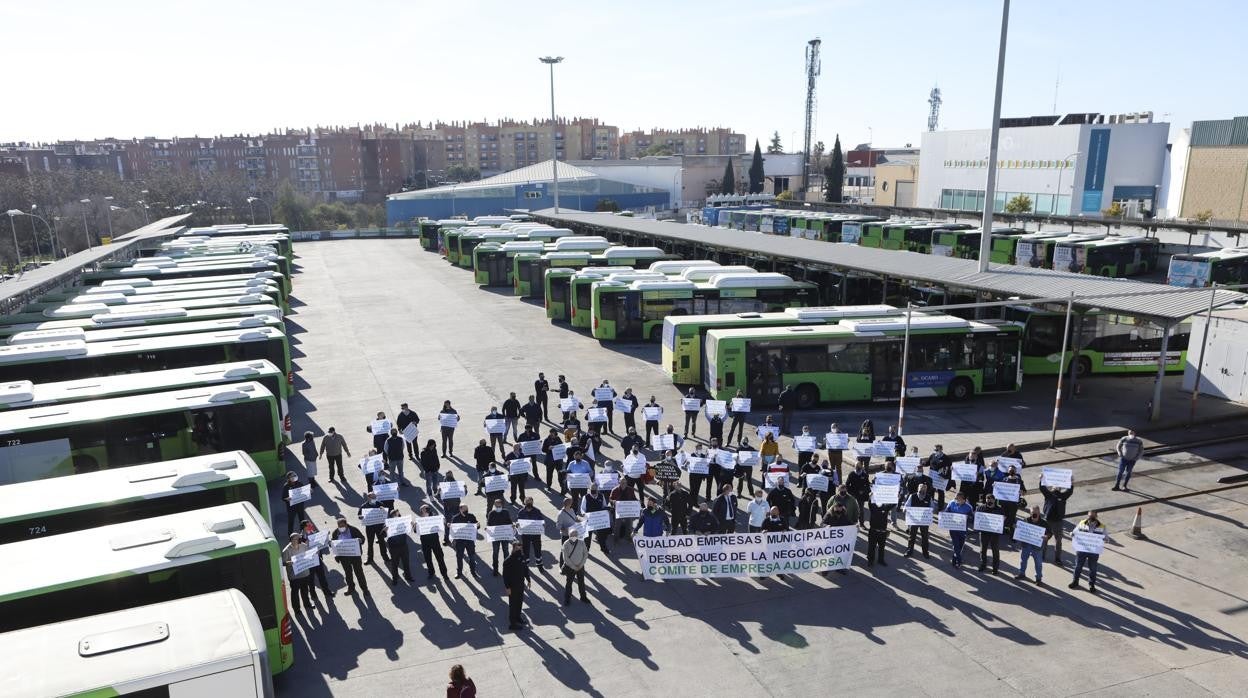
(1076, 164)
(1225, 370)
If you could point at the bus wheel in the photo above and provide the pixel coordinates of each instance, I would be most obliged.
(807, 396)
(961, 389)
(1083, 366)
(656, 333)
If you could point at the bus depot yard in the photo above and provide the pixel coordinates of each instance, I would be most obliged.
(145, 408)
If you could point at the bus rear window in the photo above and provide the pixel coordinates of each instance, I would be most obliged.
(582, 295)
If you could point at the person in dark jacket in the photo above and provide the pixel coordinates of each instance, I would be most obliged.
(775, 522)
(517, 481)
(482, 456)
(511, 413)
(307, 529)
(652, 425)
(498, 516)
(678, 504)
(631, 440)
(352, 570)
(430, 550)
(450, 505)
(877, 532)
(530, 434)
(899, 444)
(400, 555)
(515, 579)
(782, 498)
(333, 445)
(630, 415)
(725, 509)
(1011, 508)
(541, 390)
(309, 459)
(555, 467)
(938, 463)
(808, 511)
(858, 484)
(920, 498)
(865, 436)
(737, 426)
(531, 412)
(715, 427)
(396, 448)
(294, 512)
(691, 416)
(448, 433)
(788, 403)
(608, 405)
(532, 543)
(465, 549)
(496, 439)
(987, 539)
(1054, 512)
(594, 500)
(703, 521)
(375, 532)
(405, 417)
(429, 467)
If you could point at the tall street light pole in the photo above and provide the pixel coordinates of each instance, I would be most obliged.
(554, 152)
(85, 230)
(990, 193)
(13, 213)
(1057, 195)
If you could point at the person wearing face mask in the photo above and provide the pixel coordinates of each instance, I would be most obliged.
(307, 529)
(405, 417)
(294, 512)
(301, 593)
(858, 484)
(332, 448)
(737, 425)
(448, 433)
(1035, 553)
(808, 511)
(630, 414)
(579, 466)
(835, 455)
(987, 539)
(597, 501)
(573, 556)
(1011, 508)
(375, 532)
(782, 498)
(1092, 524)
(775, 522)
(400, 555)
(703, 521)
(430, 550)
(465, 549)
(678, 503)
(959, 505)
(745, 473)
(918, 499)
(532, 543)
(757, 510)
(940, 464)
(516, 579)
(653, 521)
(567, 518)
(697, 479)
(725, 509)
(496, 439)
(352, 570)
(847, 502)
(498, 516)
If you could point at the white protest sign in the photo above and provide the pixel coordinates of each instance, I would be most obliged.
(596, 415)
(304, 561)
(558, 451)
(349, 547)
(448, 420)
(918, 516)
(883, 494)
(607, 481)
(398, 526)
(373, 516)
(776, 479)
(951, 521)
(380, 427)
(699, 465)
(519, 467)
(725, 459)
(1057, 477)
(863, 450)
(804, 443)
(531, 447)
(318, 539)
(569, 404)
(908, 465)
(634, 466)
(746, 554)
(430, 524)
(884, 449)
(691, 404)
(623, 405)
(299, 495)
(836, 441)
(888, 479)
(716, 407)
(452, 489)
(663, 441)
(597, 520)
(989, 523)
(532, 527)
(965, 472)
(1029, 533)
(500, 533)
(1004, 463)
(1088, 542)
(748, 459)
(939, 482)
(578, 481)
(819, 483)
(653, 413)
(741, 405)
(1005, 491)
(627, 509)
(764, 430)
(495, 483)
(387, 492)
(603, 394)
(373, 464)
(410, 432)
(464, 531)
(496, 426)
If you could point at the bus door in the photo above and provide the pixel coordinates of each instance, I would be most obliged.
(496, 268)
(999, 358)
(766, 375)
(886, 370)
(628, 323)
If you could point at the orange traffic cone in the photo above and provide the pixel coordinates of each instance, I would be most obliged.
(1137, 527)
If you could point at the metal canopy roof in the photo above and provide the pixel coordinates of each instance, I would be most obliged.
(1137, 298)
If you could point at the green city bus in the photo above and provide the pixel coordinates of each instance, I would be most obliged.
(81, 311)
(492, 262)
(469, 239)
(916, 237)
(190, 271)
(284, 266)
(222, 233)
(22, 394)
(636, 309)
(108, 334)
(1227, 267)
(1035, 250)
(528, 266)
(259, 278)
(873, 231)
(68, 360)
(78, 437)
(529, 270)
(1003, 242)
(1108, 343)
(81, 295)
(856, 360)
(141, 317)
(136, 563)
(580, 290)
(557, 282)
(41, 508)
(1114, 256)
(683, 335)
(115, 299)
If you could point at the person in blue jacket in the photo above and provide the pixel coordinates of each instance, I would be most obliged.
(959, 506)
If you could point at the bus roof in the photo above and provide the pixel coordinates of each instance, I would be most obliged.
(581, 243)
(191, 284)
(662, 285)
(27, 394)
(125, 548)
(633, 253)
(167, 293)
(514, 246)
(705, 273)
(852, 327)
(111, 333)
(21, 353)
(219, 629)
(1110, 241)
(25, 499)
(1226, 253)
(165, 308)
(153, 271)
(757, 279)
(238, 229)
(675, 266)
(840, 311)
(141, 315)
(917, 322)
(569, 254)
(143, 281)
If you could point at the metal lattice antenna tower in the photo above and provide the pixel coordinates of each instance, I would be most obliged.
(933, 112)
(812, 72)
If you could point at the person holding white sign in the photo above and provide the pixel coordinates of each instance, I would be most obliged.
(597, 501)
(352, 570)
(1010, 506)
(746, 458)
(988, 538)
(1055, 514)
(448, 432)
(959, 505)
(465, 549)
(570, 405)
(400, 553)
(407, 417)
(529, 516)
(318, 542)
(918, 502)
(858, 484)
(374, 524)
(511, 413)
(430, 549)
(380, 429)
(496, 428)
(833, 441)
(715, 426)
(555, 455)
(865, 436)
(580, 474)
(301, 593)
(623, 493)
(604, 398)
(1090, 526)
(394, 449)
(629, 411)
(1034, 550)
(738, 409)
(498, 516)
(653, 413)
(691, 404)
(295, 496)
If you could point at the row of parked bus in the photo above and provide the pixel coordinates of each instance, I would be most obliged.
(143, 414)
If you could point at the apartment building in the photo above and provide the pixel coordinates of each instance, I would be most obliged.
(693, 141)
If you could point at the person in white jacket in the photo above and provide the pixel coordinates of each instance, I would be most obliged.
(757, 510)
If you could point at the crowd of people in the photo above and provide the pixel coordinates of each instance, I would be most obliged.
(682, 484)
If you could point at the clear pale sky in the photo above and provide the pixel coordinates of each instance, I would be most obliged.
(79, 69)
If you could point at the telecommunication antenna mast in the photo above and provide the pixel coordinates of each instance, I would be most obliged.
(812, 72)
(933, 112)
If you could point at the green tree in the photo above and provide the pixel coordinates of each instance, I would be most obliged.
(657, 149)
(1204, 216)
(834, 174)
(728, 183)
(1115, 210)
(1021, 203)
(462, 173)
(756, 170)
(785, 195)
(774, 146)
(291, 209)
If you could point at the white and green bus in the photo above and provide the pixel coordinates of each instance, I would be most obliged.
(24, 394)
(143, 317)
(83, 294)
(858, 360)
(67, 360)
(137, 563)
(207, 645)
(108, 334)
(41, 508)
(269, 291)
(1228, 267)
(148, 271)
(82, 437)
(78, 311)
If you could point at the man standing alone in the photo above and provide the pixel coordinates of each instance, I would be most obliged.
(515, 579)
(1129, 449)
